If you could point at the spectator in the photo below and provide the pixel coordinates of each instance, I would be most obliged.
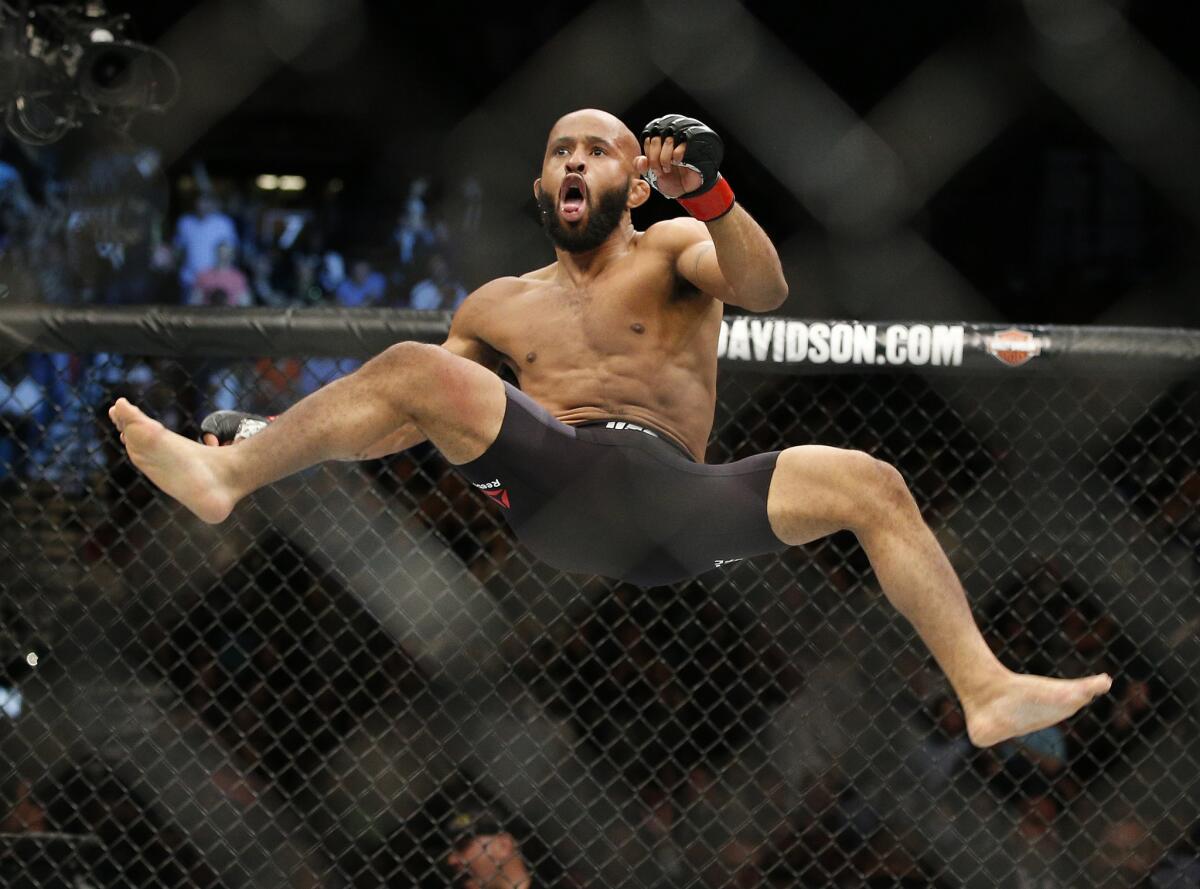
(1042, 753)
(440, 290)
(21, 812)
(364, 287)
(222, 285)
(415, 204)
(197, 237)
(332, 272)
(414, 236)
(269, 279)
(483, 855)
(324, 270)
(114, 199)
(1124, 857)
(21, 397)
(15, 204)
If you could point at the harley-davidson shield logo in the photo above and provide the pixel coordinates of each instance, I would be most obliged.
(1014, 347)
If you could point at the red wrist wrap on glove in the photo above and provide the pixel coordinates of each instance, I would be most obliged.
(712, 204)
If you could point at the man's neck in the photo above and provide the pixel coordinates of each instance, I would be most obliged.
(578, 268)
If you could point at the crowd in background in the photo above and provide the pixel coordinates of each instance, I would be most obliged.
(283, 260)
(103, 235)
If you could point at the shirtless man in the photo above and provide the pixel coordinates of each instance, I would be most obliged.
(596, 461)
(483, 855)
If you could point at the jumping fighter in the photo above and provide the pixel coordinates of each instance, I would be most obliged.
(597, 459)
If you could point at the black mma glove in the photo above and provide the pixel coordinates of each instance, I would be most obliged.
(232, 426)
(714, 198)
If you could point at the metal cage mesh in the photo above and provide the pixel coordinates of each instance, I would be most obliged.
(360, 672)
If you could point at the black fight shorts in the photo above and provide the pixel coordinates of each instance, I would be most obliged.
(624, 503)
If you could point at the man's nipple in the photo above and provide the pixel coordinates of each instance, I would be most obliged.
(531, 357)
(637, 327)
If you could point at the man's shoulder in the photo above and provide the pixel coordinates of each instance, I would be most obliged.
(486, 304)
(502, 288)
(545, 273)
(675, 234)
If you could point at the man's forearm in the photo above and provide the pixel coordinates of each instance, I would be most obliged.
(403, 438)
(748, 261)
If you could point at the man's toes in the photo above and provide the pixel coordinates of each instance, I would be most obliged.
(124, 413)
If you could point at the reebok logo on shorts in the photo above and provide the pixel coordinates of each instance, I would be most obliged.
(717, 563)
(494, 490)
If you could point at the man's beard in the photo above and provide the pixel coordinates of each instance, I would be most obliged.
(602, 219)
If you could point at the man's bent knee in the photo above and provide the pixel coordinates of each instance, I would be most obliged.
(407, 356)
(819, 490)
(814, 492)
(418, 378)
(885, 496)
(458, 404)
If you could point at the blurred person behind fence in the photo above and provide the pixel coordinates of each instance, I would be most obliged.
(363, 287)
(198, 236)
(413, 234)
(482, 854)
(596, 461)
(1125, 855)
(224, 284)
(20, 811)
(441, 290)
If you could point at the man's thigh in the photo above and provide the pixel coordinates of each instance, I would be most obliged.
(457, 404)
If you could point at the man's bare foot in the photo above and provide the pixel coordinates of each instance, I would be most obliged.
(181, 468)
(1019, 704)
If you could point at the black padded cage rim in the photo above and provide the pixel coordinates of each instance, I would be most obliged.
(759, 342)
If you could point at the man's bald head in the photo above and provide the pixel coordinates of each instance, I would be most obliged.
(594, 122)
(589, 180)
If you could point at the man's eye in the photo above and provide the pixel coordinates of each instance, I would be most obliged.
(560, 151)
(597, 151)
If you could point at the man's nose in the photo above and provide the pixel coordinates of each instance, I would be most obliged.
(576, 163)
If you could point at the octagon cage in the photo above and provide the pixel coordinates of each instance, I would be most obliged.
(361, 674)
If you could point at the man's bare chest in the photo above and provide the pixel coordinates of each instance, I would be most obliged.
(581, 323)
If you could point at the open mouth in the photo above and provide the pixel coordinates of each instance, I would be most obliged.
(572, 197)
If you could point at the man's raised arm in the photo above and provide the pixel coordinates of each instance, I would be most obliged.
(721, 250)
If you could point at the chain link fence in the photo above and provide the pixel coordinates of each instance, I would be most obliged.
(360, 675)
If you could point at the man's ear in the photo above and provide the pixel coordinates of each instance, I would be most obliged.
(537, 188)
(639, 192)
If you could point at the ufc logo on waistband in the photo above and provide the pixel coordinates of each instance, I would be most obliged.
(633, 427)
